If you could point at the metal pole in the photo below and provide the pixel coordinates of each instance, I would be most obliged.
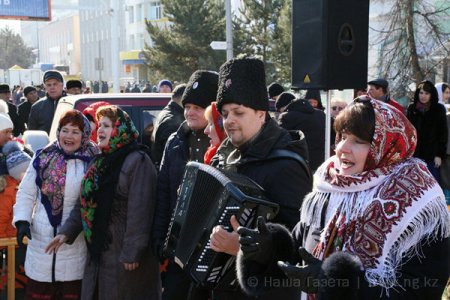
(115, 44)
(99, 62)
(229, 29)
(327, 125)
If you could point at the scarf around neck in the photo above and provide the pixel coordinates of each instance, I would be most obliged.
(385, 213)
(50, 164)
(100, 180)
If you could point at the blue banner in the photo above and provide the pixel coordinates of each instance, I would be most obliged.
(25, 9)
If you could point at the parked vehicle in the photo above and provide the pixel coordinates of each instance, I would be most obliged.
(136, 105)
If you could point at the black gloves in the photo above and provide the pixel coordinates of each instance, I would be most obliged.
(23, 230)
(256, 244)
(307, 274)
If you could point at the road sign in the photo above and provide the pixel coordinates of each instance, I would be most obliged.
(218, 45)
(25, 9)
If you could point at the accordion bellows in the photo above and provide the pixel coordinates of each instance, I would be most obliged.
(209, 197)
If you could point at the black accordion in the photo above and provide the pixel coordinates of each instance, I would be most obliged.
(209, 197)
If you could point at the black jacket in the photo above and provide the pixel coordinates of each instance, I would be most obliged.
(283, 179)
(42, 112)
(300, 115)
(167, 122)
(423, 276)
(176, 156)
(12, 112)
(431, 127)
(24, 113)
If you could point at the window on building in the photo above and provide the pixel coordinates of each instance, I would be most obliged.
(131, 41)
(130, 14)
(139, 13)
(155, 11)
(141, 41)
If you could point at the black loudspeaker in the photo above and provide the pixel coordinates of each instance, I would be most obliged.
(329, 44)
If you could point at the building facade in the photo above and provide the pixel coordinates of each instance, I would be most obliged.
(59, 44)
(95, 38)
(136, 12)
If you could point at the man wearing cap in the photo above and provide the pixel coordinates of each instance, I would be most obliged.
(5, 95)
(188, 143)
(31, 96)
(378, 89)
(167, 122)
(73, 87)
(165, 86)
(258, 148)
(42, 112)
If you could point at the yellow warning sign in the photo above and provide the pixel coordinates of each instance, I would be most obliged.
(306, 79)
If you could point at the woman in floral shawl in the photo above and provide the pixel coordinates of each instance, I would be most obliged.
(374, 227)
(117, 207)
(46, 196)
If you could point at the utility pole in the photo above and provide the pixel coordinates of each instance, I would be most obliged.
(115, 44)
(229, 29)
(99, 64)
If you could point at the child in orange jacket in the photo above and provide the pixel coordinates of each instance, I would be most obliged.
(17, 162)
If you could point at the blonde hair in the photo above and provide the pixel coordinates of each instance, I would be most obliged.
(208, 113)
(338, 101)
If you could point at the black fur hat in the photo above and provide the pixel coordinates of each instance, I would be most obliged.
(284, 99)
(201, 89)
(243, 81)
(275, 89)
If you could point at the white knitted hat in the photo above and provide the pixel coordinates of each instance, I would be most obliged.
(5, 121)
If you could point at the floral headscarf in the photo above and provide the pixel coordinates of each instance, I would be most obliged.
(91, 111)
(50, 164)
(394, 141)
(97, 187)
(395, 197)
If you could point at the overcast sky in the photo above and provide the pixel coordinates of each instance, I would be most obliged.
(13, 24)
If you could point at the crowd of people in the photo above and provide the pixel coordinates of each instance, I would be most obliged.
(370, 222)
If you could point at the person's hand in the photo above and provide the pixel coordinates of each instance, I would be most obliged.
(256, 244)
(54, 244)
(131, 266)
(224, 241)
(307, 274)
(437, 161)
(23, 230)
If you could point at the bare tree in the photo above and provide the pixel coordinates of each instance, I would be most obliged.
(412, 40)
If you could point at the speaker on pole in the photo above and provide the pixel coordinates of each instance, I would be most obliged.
(329, 44)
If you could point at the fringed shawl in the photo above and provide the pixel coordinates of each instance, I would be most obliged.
(51, 166)
(99, 184)
(384, 214)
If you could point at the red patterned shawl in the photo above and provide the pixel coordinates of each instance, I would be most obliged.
(383, 213)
